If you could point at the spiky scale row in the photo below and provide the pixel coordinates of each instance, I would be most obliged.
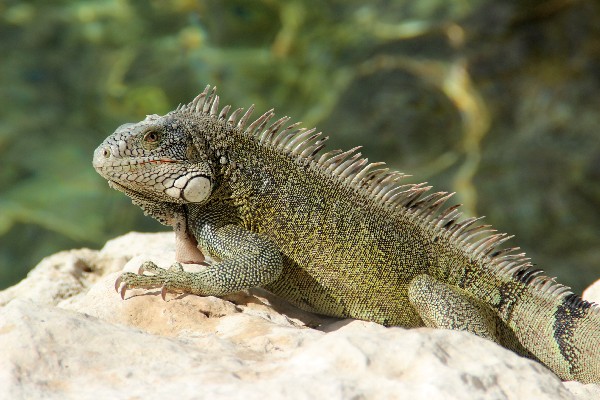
(234, 116)
(383, 186)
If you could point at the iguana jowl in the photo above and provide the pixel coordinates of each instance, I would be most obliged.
(334, 234)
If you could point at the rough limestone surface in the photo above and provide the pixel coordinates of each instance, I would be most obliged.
(592, 292)
(66, 334)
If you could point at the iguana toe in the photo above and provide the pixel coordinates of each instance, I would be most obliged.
(174, 279)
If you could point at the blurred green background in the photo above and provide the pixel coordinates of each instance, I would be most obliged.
(497, 100)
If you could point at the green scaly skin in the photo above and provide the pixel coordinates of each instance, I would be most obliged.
(335, 235)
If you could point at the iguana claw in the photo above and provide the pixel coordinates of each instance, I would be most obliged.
(123, 290)
(157, 277)
(118, 287)
(121, 287)
(149, 266)
(118, 284)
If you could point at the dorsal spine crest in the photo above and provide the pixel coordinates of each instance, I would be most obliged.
(384, 186)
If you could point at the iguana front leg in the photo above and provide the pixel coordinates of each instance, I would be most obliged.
(247, 260)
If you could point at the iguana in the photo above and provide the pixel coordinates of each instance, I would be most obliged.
(334, 234)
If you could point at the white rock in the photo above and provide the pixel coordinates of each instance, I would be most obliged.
(134, 244)
(56, 277)
(66, 334)
(68, 273)
(592, 293)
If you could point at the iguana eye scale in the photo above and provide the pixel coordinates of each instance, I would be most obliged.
(151, 137)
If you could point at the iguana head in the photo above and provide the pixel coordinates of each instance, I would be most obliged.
(158, 159)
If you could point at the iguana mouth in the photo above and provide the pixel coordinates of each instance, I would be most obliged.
(134, 162)
(161, 160)
(148, 161)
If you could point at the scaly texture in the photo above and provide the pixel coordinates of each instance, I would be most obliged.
(334, 234)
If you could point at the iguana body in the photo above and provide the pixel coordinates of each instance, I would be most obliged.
(334, 234)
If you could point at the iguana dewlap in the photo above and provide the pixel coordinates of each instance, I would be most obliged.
(334, 234)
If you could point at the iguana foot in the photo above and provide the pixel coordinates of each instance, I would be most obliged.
(174, 279)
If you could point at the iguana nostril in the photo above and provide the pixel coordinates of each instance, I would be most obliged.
(106, 152)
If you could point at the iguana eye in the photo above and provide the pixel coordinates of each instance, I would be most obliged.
(151, 137)
(151, 140)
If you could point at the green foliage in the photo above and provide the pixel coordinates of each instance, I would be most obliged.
(495, 100)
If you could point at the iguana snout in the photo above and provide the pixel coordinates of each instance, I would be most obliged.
(147, 158)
